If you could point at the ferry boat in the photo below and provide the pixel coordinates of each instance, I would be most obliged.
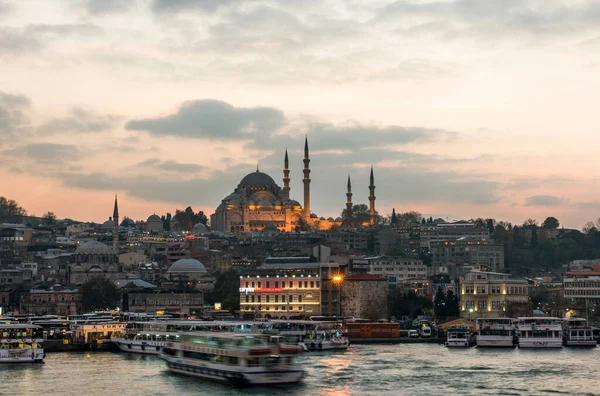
(496, 332)
(540, 332)
(147, 337)
(21, 343)
(237, 358)
(576, 332)
(311, 335)
(461, 337)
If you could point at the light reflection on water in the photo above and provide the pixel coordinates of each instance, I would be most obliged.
(363, 370)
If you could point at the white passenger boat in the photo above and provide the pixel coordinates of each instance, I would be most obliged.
(149, 337)
(311, 335)
(576, 332)
(238, 358)
(496, 332)
(540, 332)
(461, 337)
(21, 343)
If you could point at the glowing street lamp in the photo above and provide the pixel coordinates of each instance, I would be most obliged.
(337, 278)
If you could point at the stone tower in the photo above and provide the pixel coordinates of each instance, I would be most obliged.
(306, 182)
(372, 197)
(286, 175)
(349, 196)
(116, 227)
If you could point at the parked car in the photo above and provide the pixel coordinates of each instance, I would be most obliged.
(413, 333)
(426, 332)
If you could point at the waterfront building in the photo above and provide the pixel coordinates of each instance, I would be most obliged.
(492, 294)
(364, 296)
(469, 250)
(284, 287)
(57, 300)
(583, 286)
(162, 302)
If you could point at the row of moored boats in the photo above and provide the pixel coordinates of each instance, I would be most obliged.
(235, 352)
(527, 332)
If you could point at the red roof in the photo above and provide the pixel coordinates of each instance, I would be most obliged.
(364, 277)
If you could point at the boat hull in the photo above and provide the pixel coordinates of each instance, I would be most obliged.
(581, 343)
(221, 373)
(324, 346)
(147, 348)
(540, 343)
(495, 342)
(22, 356)
(458, 344)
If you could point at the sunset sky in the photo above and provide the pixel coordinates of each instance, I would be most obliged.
(465, 109)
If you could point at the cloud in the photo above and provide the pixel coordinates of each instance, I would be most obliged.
(13, 119)
(80, 121)
(589, 205)
(171, 166)
(169, 6)
(265, 128)
(213, 119)
(107, 6)
(46, 153)
(35, 37)
(14, 41)
(544, 200)
(508, 19)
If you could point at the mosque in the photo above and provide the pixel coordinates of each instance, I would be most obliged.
(258, 204)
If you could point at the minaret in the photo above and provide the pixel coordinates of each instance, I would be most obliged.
(349, 195)
(286, 175)
(306, 182)
(372, 197)
(116, 227)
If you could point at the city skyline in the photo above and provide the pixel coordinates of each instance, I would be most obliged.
(465, 109)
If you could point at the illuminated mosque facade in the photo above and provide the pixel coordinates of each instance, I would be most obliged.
(258, 204)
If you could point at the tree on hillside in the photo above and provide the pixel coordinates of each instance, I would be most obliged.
(394, 218)
(9, 207)
(452, 305)
(534, 236)
(440, 310)
(407, 219)
(187, 219)
(530, 222)
(49, 218)
(99, 293)
(357, 216)
(551, 223)
(227, 290)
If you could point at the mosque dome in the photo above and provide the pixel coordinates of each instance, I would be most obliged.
(93, 247)
(338, 219)
(330, 219)
(232, 198)
(200, 229)
(271, 228)
(294, 203)
(154, 217)
(322, 218)
(264, 202)
(257, 179)
(187, 266)
(108, 225)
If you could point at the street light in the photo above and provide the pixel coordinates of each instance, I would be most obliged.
(337, 279)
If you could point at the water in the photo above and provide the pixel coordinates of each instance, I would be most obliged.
(405, 369)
